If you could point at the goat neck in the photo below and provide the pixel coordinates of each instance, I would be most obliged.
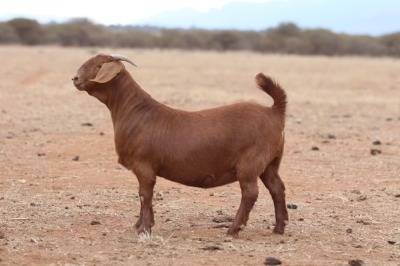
(125, 96)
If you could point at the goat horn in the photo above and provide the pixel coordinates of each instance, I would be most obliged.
(122, 58)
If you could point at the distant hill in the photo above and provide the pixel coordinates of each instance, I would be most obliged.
(352, 17)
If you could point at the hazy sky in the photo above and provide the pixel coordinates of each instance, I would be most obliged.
(104, 12)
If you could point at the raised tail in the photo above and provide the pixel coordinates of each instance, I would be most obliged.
(274, 90)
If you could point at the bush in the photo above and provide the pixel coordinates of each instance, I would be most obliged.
(285, 38)
(8, 34)
(80, 32)
(29, 31)
(392, 43)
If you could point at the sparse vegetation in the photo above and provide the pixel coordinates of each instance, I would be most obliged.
(285, 38)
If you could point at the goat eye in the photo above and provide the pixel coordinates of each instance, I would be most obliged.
(98, 66)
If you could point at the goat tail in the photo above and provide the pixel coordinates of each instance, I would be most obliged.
(274, 90)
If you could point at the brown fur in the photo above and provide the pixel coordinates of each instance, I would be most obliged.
(239, 142)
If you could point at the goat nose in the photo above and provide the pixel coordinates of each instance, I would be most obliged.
(75, 78)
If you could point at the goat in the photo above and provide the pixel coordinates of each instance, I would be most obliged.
(205, 149)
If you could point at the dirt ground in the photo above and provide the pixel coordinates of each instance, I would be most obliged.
(64, 200)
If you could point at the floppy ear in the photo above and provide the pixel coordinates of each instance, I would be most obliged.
(108, 71)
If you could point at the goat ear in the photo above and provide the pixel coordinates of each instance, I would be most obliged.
(108, 71)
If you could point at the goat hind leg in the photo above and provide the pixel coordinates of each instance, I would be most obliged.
(276, 187)
(249, 196)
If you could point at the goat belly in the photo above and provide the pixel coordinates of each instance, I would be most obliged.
(203, 180)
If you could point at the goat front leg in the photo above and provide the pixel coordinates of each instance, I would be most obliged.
(249, 197)
(147, 181)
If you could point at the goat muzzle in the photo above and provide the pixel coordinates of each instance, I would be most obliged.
(77, 83)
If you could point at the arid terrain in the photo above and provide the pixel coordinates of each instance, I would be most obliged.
(64, 200)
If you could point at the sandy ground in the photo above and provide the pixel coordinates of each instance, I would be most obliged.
(64, 200)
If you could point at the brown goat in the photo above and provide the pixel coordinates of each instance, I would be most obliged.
(208, 148)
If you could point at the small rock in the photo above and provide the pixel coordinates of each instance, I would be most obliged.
(362, 198)
(87, 124)
(224, 219)
(32, 204)
(356, 191)
(292, 206)
(101, 134)
(397, 196)
(212, 248)
(2, 235)
(375, 151)
(331, 136)
(391, 242)
(272, 261)
(159, 196)
(41, 154)
(356, 262)
(360, 221)
(221, 225)
(377, 142)
(76, 158)
(349, 231)
(315, 148)
(95, 223)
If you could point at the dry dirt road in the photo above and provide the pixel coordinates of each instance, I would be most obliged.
(64, 200)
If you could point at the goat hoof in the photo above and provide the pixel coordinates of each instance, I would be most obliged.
(144, 231)
(279, 230)
(234, 234)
